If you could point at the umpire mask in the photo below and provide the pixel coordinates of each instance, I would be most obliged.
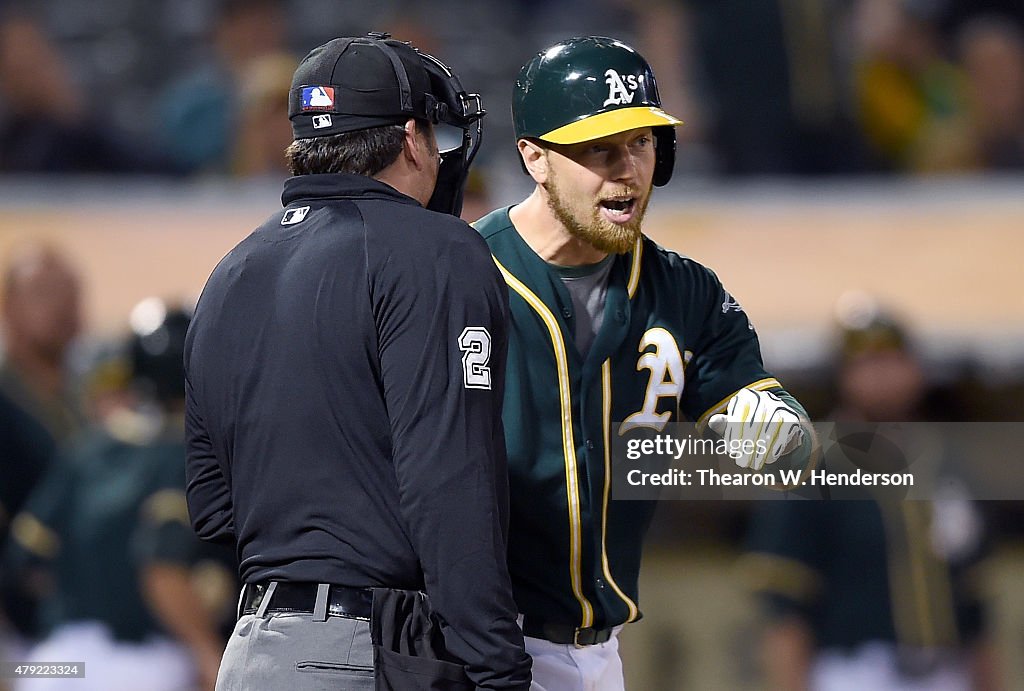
(458, 128)
(350, 84)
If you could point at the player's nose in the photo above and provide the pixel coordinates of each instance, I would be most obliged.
(624, 166)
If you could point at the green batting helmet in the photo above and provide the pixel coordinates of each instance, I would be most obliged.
(591, 87)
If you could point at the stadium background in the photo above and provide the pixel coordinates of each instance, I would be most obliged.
(834, 206)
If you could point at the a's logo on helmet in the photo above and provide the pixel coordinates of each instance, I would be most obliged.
(620, 89)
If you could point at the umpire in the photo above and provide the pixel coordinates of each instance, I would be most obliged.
(344, 381)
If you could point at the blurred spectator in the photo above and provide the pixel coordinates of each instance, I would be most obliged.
(202, 111)
(879, 377)
(45, 124)
(991, 50)
(545, 22)
(872, 593)
(264, 131)
(912, 101)
(128, 588)
(763, 81)
(41, 314)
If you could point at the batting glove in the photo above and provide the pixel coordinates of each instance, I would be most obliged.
(758, 428)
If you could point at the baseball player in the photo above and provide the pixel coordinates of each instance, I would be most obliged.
(110, 522)
(609, 332)
(874, 593)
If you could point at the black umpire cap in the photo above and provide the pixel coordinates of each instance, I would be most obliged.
(351, 84)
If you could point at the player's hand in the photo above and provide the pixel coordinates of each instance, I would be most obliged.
(758, 416)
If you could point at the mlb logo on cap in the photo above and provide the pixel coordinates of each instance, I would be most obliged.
(317, 98)
(321, 121)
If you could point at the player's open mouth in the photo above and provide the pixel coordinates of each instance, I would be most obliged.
(618, 209)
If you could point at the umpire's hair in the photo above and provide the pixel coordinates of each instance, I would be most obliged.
(362, 152)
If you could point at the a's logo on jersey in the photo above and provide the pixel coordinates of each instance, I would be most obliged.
(475, 344)
(317, 98)
(293, 216)
(620, 89)
(730, 303)
(666, 367)
(322, 121)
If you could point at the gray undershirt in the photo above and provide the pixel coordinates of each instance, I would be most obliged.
(587, 285)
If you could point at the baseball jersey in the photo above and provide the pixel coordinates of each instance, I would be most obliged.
(861, 571)
(673, 343)
(27, 448)
(112, 506)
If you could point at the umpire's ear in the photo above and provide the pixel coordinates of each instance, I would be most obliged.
(535, 159)
(420, 146)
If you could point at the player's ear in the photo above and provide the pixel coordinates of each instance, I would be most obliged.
(535, 159)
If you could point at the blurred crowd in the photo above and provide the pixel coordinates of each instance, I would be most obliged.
(799, 87)
(863, 86)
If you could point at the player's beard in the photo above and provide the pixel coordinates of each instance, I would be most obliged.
(582, 218)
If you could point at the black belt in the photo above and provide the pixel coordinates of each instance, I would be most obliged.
(321, 600)
(565, 634)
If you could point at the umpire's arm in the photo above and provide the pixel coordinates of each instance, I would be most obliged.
(207, 491)
(443, 340)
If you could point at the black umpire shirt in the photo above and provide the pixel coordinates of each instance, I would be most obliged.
(344, 381)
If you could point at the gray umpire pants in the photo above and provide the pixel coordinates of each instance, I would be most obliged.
(288, 651)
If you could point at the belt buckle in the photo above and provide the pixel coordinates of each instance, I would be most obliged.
(576, 637)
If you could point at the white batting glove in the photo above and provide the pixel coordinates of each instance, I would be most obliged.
(758, 427)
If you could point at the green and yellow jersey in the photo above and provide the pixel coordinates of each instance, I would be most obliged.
(113, 505)
(673, 346)
(858, 572)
